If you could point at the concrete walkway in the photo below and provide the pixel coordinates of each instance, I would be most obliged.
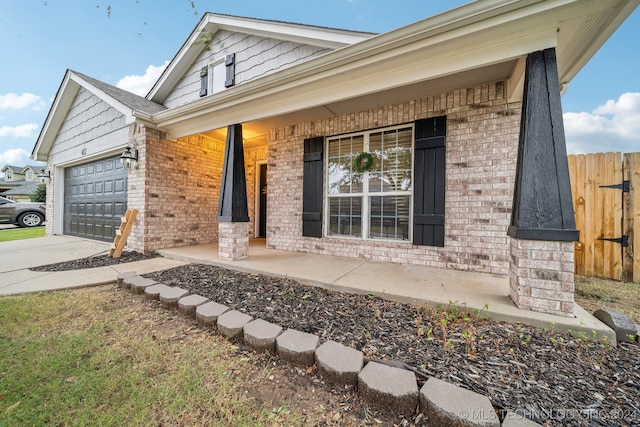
(403, 283)
(17, 256)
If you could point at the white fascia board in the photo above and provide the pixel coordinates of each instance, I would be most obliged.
(316, 36)
(69, 88)
(126, 111)
(61, 103)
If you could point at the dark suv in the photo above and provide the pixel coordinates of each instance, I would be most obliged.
(21, 213)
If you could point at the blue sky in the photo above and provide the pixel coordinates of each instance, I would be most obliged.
(128, 46)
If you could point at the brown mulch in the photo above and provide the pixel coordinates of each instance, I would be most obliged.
(551, 378)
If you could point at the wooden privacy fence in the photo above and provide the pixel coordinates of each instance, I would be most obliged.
(607, 212)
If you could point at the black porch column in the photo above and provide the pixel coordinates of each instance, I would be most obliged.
(233, 192)
(542, 204)
(233, 216)
(542, 226)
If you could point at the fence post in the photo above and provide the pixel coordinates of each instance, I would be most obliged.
(631, 259)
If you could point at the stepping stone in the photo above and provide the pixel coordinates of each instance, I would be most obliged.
(622, 325)
(209, 312)
(444, 404)
(170, 297)
(137, 283)
(124, 275)
(231, 323)
(187, 305)
(261, 335)
(153, 291)
(297, 348)
(393, 390)
(512, 419)
(338, 363)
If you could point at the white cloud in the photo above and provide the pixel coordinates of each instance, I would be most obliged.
(613, 126)
(15, 157)
(11, 101)
(21, 131)
(140, 85)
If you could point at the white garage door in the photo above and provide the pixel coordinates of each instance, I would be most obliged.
(95, 198)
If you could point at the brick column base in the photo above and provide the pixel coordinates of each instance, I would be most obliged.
(233, 240)
(541, 276)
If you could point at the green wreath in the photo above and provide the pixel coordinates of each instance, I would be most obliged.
(364, 162)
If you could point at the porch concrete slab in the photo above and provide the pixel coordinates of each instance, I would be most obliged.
(187, 305)
(297, 347)
(338, 363)
(209, 312)
(411, 284)
(153, 291)
(392, 389)
(231, 324)
(171, 296)
(445, 404)
(261, 335)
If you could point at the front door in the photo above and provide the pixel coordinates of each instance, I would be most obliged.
(262, 200)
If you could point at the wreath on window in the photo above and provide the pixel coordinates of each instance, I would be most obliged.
(364, 162)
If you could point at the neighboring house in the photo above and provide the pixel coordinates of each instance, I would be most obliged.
(20, 182)
(440, 143)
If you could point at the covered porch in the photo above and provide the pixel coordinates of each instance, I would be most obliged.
(410, 284)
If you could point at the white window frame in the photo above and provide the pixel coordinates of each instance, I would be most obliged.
(366, 194)
(212, 67)
(29, 175)
(8, 175)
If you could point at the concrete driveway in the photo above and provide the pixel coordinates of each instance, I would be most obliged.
(18, 256)
(27, 253)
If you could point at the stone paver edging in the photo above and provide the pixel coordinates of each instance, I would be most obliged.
(389, 388)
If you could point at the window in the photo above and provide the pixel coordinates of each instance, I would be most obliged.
(29, 175)
(375, 202)
(218, 75)
(8, 175)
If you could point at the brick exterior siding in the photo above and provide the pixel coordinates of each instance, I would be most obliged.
(541, 276)
(176, 189)
(482, 141)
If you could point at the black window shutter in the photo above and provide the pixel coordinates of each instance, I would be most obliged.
(429, 177)
(230, 63)
(204, 81)
(312, 187)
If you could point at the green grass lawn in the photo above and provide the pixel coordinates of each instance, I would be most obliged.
(98, 357)
(21, 233)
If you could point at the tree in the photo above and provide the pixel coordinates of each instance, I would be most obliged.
(39, 194)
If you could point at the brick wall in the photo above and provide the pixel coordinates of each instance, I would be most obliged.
(541, 276)
(482, 141)
(176, 189)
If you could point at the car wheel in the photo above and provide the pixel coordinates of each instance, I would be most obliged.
(30, 219)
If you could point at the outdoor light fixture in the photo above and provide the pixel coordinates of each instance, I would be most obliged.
(44, 177)
(128, 159)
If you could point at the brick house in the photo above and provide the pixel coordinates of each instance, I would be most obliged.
(439, 143)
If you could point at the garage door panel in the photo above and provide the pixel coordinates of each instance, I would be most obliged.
(95, 199)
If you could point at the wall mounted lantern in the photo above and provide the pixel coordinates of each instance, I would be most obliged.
(129, 159)
(44, 177)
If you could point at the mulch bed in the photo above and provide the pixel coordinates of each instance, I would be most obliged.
(95, 261)
(551, 378)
